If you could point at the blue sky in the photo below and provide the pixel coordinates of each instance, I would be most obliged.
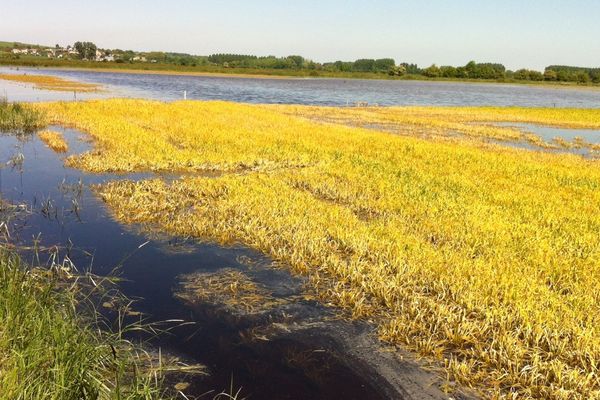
(518, 33)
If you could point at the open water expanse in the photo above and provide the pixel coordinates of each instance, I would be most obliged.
(315, 91)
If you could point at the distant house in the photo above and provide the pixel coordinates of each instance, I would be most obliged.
(139, 58)
(19, 51)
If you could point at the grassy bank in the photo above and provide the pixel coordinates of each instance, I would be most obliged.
(53, 343)
(18, 118)
(51, 346)
(483, 257)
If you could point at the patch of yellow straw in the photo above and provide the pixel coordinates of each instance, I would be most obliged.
(51, 83)
(54, 140)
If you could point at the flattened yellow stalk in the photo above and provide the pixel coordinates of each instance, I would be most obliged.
(54, 140)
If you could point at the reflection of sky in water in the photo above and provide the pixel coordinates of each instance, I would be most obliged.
(25, 92)
(548, 134)
(327, 91)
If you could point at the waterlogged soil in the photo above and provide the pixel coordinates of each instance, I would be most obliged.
(255, 327)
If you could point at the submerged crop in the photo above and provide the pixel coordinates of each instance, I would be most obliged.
(462, 122)
(483, 257)
(51, 83)
(54, 140)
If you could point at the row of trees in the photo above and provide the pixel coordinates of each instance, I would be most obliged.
(267, 62)
(471, 70)
(475, 70)
(362, 65)
(563, 73)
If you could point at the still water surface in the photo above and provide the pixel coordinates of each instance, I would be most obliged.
(332, 92)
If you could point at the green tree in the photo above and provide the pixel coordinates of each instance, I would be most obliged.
(536, 76)
(298, 61)
(471, 69)
(397, 70)
(432, 72)
(384, 64)
(364, 65)
(550, 75)
(461, 72)
(411, 68)
(86, 50)
(448, 71)
(583, 77)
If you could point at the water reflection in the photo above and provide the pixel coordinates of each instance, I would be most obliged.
(335, 92)
(585, 142)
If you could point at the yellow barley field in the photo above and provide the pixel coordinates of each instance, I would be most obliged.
(483, 257)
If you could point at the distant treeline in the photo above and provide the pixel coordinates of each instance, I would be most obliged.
(295, 64)
(472, 70)
(563, 73)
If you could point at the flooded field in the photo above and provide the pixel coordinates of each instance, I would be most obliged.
(376, 236)
(256, 326)
(336, 92)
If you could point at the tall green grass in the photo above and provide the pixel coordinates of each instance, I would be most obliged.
(52, 348)
(18, 118)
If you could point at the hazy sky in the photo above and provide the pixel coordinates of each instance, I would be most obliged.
(518, 33)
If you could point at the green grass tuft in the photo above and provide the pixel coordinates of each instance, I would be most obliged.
(20, 118)
(50, 349)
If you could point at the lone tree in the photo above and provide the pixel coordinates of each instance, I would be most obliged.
(85, 49)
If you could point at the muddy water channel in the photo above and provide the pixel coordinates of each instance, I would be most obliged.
(252, 324)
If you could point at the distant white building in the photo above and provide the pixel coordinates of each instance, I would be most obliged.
(19, 51)
(139, 58)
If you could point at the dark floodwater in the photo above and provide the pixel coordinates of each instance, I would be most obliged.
(302, 358)
(335, 92)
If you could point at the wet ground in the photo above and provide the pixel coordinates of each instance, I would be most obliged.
(249, 321)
